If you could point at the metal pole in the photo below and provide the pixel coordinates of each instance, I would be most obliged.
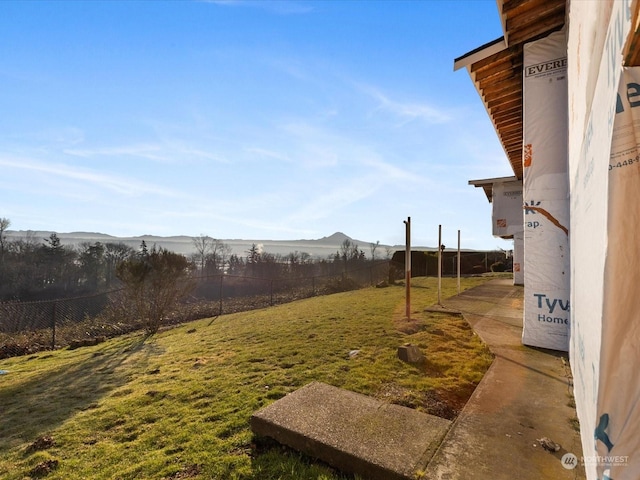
(458, 262)
(439, 262)
(407, 267)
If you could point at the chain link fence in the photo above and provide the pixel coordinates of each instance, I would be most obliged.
(29, 327)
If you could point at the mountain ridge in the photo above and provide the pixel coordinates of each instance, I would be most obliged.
(321, 247)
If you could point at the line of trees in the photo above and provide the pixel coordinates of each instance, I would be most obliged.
(214, 257)
(33, 268)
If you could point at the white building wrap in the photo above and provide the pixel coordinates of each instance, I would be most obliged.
(507, 220)
(507, 208)
(546, 186)
(617, 431)
(518, 258)
(604, 336)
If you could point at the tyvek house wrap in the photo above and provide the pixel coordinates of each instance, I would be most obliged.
(507, 208)
(546, 206)
(507, 220)
(617, 432)
(518, 258)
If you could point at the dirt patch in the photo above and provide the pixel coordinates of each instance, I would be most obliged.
(440, 403)
(459, 398)
(86, 342)
(41, 443)
(409, 327)
(43, 468)
(189, 471)
(14, 349)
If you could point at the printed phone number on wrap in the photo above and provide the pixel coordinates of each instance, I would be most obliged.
(625, 163)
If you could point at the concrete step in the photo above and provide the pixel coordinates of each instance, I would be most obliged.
(353, 432)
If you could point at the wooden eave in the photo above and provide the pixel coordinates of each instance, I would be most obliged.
(498, 74)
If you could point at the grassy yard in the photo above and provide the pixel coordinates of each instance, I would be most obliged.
(177, 405)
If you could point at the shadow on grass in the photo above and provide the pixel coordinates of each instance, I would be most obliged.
(34, 407)
(273, 461)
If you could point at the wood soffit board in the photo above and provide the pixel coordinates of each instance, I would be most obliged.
(498, 77)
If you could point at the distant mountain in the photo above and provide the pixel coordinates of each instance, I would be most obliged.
(337, 238)
(317, 248)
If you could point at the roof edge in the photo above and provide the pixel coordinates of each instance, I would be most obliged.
(480, 53)
(491, 181)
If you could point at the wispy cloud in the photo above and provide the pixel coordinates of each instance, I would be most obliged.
(324, 204)
(345, 171)
(315, 146)
(147, 151)
(119, 185)
(405, 111)
(280, 7)
(290, 66)
(262, 152)
(169, 152)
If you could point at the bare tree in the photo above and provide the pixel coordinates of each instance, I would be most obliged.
(204, 246)
(4, 225)
(345, 250)
(373, 247)
(220, 251)
(388, 252)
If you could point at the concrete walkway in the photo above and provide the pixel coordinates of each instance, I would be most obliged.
(524, 396)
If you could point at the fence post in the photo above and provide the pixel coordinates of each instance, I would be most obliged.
(220, 308)
(313, 286)
(53, 326)
(271, 292)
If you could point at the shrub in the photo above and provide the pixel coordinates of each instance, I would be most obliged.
(337, 285)
(498, 267)
(155, 283)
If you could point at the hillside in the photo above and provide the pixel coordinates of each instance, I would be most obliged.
(317, 248)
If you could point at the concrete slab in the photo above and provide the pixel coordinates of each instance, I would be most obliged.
(353, 432)
(523, 397)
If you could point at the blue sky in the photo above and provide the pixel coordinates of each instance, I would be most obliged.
(246, 119)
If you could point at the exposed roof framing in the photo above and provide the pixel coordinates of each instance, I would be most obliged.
(632, 49)
(496, 68)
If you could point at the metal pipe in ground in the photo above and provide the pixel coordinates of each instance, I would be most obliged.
(458, 262)
(439, 262)
(407, 267)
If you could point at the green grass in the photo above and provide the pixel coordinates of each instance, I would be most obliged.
(177, 405)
